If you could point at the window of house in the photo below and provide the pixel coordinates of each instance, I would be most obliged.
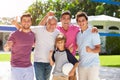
(99, 26)
(113, 28)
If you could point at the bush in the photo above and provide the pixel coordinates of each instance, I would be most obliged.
(113, 45)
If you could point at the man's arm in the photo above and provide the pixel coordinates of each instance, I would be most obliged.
(8, 45)
(17, 25)
(43, 21)
(94, 30)
(95, 50)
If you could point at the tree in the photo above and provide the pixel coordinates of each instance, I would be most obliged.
(113, 45)
(39, 9)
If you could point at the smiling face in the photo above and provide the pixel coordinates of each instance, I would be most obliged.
(60, 45)
(65, 20)
(82, 22)
(51, 24)
(26, 22)
(60, 42)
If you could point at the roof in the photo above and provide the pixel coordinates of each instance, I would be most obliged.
(103, 18)
(7, 28)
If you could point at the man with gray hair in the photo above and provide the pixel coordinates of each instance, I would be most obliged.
(45, 38)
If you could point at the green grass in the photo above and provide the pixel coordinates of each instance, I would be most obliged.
(105, 60)
(110, 60)
(4, 57)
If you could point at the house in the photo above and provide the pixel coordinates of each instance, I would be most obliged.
(5, 30)
(104, 23)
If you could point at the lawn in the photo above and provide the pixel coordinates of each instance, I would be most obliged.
(4, 57)
(105, 60)
(110, 60)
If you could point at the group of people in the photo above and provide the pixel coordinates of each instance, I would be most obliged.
(54, 44)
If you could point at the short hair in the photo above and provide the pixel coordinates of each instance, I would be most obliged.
(66, 13)
(81, 14)
(26, 15)
(60, 37)
(51, 17)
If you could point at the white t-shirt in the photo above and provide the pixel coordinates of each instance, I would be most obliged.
(87, 38)
(44, 43)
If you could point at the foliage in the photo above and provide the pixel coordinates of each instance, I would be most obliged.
(39, 8)
(113, 45)
(110, 60)
(105, 60)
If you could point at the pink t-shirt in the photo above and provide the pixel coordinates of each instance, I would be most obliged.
(21, 49)
(70, 34)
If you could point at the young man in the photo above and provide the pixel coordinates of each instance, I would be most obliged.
(88, 48)
(20, 43)
(45, 37)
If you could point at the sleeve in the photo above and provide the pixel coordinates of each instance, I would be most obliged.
(11, 37)
(53, 58)
(35, 29)
(96, 39)
(71, 58)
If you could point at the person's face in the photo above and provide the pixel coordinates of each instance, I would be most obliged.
(26, 22)
(51, 25)
(65, 20)
(60, 45)
(82, 22)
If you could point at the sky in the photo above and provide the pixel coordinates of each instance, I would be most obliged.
(12, 8)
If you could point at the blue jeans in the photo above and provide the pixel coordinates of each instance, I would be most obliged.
(42, 70)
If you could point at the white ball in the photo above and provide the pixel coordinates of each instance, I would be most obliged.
(66, 68)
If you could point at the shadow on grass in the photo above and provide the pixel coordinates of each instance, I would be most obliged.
(118, 66)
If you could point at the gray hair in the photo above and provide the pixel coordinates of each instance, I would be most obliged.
(52, 17)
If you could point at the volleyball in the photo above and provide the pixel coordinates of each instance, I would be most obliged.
(67, 67)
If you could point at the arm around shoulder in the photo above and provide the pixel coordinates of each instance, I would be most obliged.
(17, 25)
(44, 20)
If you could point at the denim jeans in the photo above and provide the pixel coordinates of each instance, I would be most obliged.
(42, 70)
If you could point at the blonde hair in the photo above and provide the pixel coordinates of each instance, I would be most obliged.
(60, 37)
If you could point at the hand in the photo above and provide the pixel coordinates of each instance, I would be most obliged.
(6, 48)
(70, 48)
(14, 21)
(51, 13)
(88, 49)
(71, 73)
(8, 45)
(94, 30)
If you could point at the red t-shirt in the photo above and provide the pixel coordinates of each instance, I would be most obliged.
(21, 49)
